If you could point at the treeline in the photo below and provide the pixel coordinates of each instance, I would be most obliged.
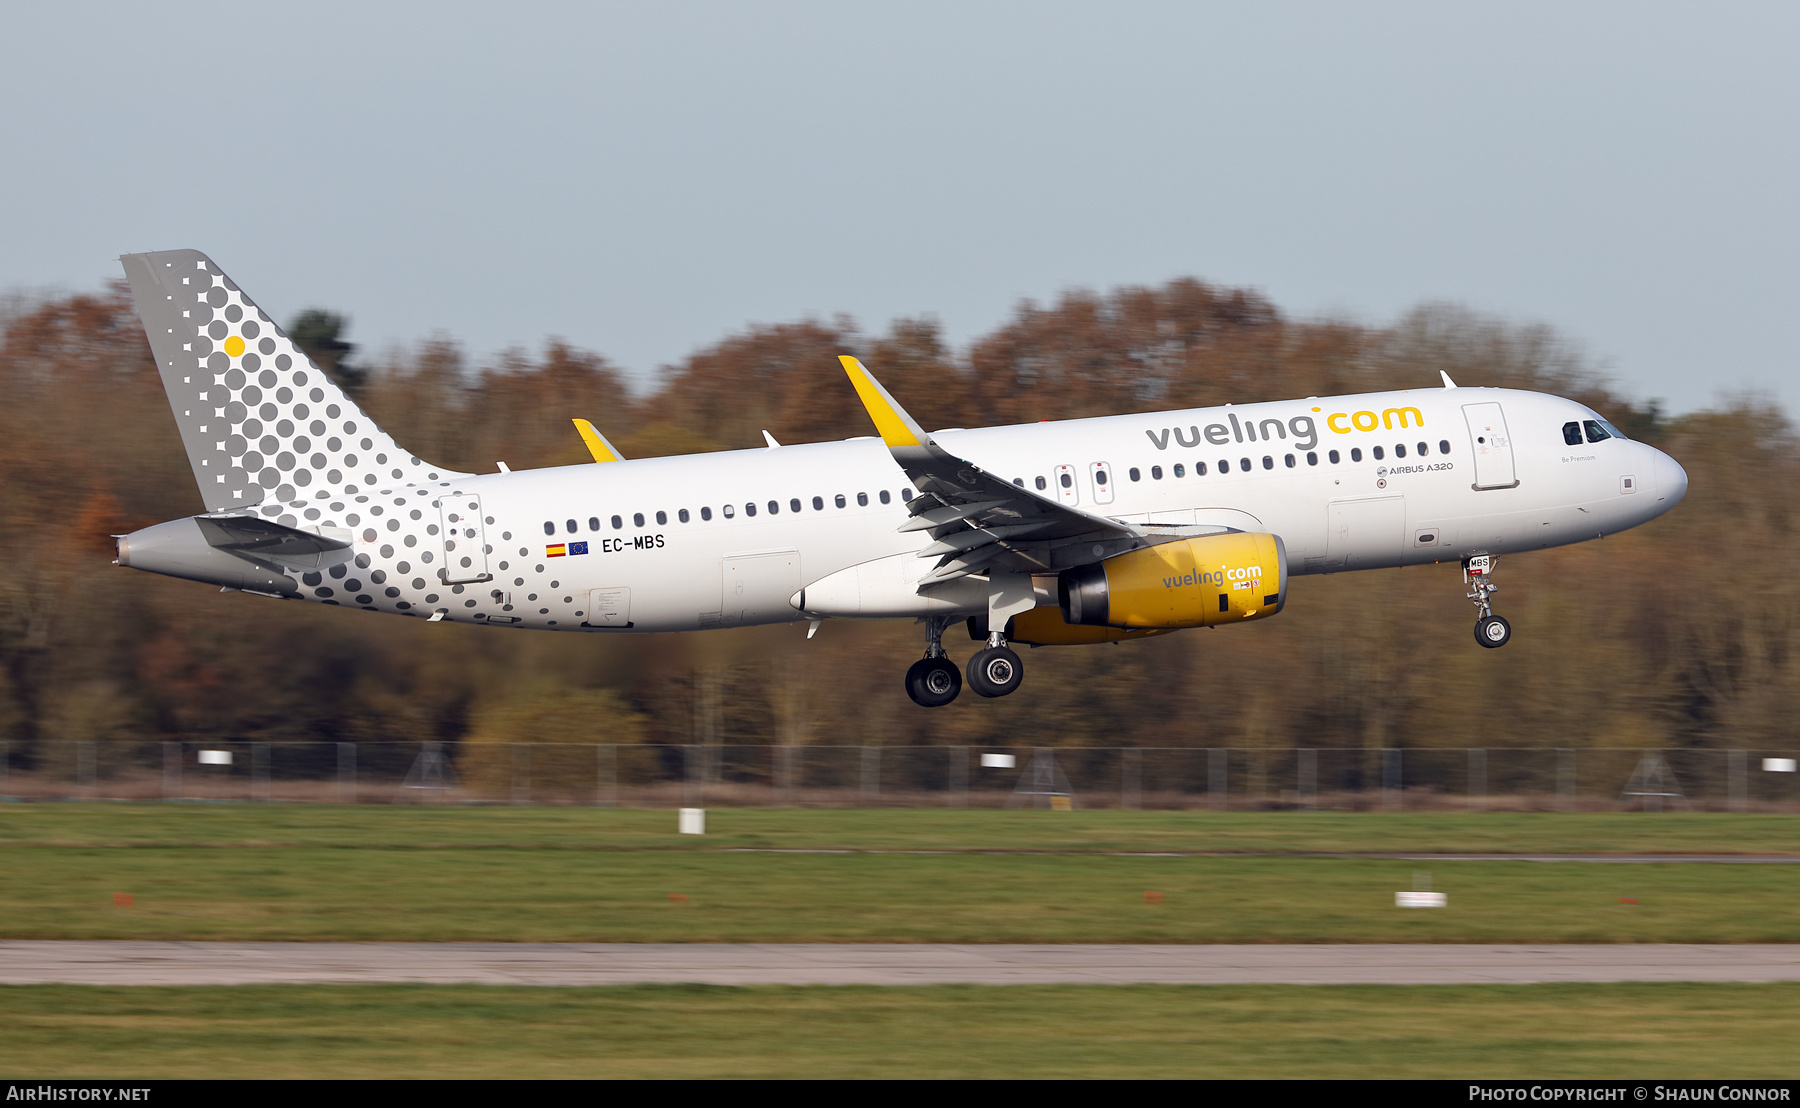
(1679, 634)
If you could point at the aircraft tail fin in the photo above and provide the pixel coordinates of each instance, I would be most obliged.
(262, 424)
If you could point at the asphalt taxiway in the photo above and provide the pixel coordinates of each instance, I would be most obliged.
(567, 964)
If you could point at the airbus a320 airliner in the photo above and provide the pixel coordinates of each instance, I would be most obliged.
(1069, 532)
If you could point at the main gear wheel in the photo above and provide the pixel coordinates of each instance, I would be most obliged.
(933, 682)
(995, 671)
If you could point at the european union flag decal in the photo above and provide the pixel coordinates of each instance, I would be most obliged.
(578, 548)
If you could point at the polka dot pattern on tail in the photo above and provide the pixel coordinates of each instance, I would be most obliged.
(260, 421)
(267, 433)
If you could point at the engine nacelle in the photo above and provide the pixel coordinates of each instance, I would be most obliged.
(1189, 583)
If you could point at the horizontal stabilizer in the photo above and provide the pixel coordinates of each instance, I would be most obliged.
(271, 544)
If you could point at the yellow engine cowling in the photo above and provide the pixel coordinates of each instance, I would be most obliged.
(1200, 582)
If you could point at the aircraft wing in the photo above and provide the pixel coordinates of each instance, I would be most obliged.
(982, 522)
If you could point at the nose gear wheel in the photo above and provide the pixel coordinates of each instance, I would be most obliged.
(1491, 631)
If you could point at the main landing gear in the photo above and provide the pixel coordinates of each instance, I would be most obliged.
(1491, 631)
(933, 681)
(995, 670)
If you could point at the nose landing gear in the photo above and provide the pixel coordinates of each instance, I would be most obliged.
(1491, 631)
(933, 681)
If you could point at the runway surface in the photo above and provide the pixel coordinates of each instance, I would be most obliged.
(177, 963)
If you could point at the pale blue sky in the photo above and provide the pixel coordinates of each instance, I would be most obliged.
(642, 179)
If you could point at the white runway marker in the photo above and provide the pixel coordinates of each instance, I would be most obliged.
(1420, 900)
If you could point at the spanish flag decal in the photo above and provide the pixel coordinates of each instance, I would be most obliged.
(556, 551)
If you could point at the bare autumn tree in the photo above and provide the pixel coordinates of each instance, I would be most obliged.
(526, 405)
(1136, 349)
(784, 379)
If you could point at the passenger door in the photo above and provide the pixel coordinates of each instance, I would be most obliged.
(1491, 445)
(465, 539)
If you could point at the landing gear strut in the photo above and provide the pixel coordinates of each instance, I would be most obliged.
(995, 670)
(1491, 631)
(933, 681)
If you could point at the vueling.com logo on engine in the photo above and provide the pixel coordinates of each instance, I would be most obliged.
(1246, 577)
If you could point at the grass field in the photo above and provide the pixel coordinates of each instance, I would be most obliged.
(1637, 1031)
(211, 825)
(319, 873)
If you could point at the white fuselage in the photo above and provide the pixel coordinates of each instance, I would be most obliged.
(1383, 501)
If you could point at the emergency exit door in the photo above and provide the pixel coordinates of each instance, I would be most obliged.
(1101, 475)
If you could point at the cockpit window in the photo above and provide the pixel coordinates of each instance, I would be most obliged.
(1595, 432)
(1572, 433)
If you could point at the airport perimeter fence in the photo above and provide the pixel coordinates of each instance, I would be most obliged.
(698, 776)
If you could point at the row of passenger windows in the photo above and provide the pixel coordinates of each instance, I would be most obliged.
(1268, 461)
(1156, 474)
(729, 511)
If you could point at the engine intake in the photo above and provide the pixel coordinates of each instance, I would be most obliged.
(1199, 582)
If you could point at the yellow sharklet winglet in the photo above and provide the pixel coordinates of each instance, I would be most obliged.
(896, 427)
(597, 445)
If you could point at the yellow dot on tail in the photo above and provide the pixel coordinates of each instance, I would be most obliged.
(234, 346)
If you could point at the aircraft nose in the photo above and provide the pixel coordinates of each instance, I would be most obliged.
(1671, 481)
